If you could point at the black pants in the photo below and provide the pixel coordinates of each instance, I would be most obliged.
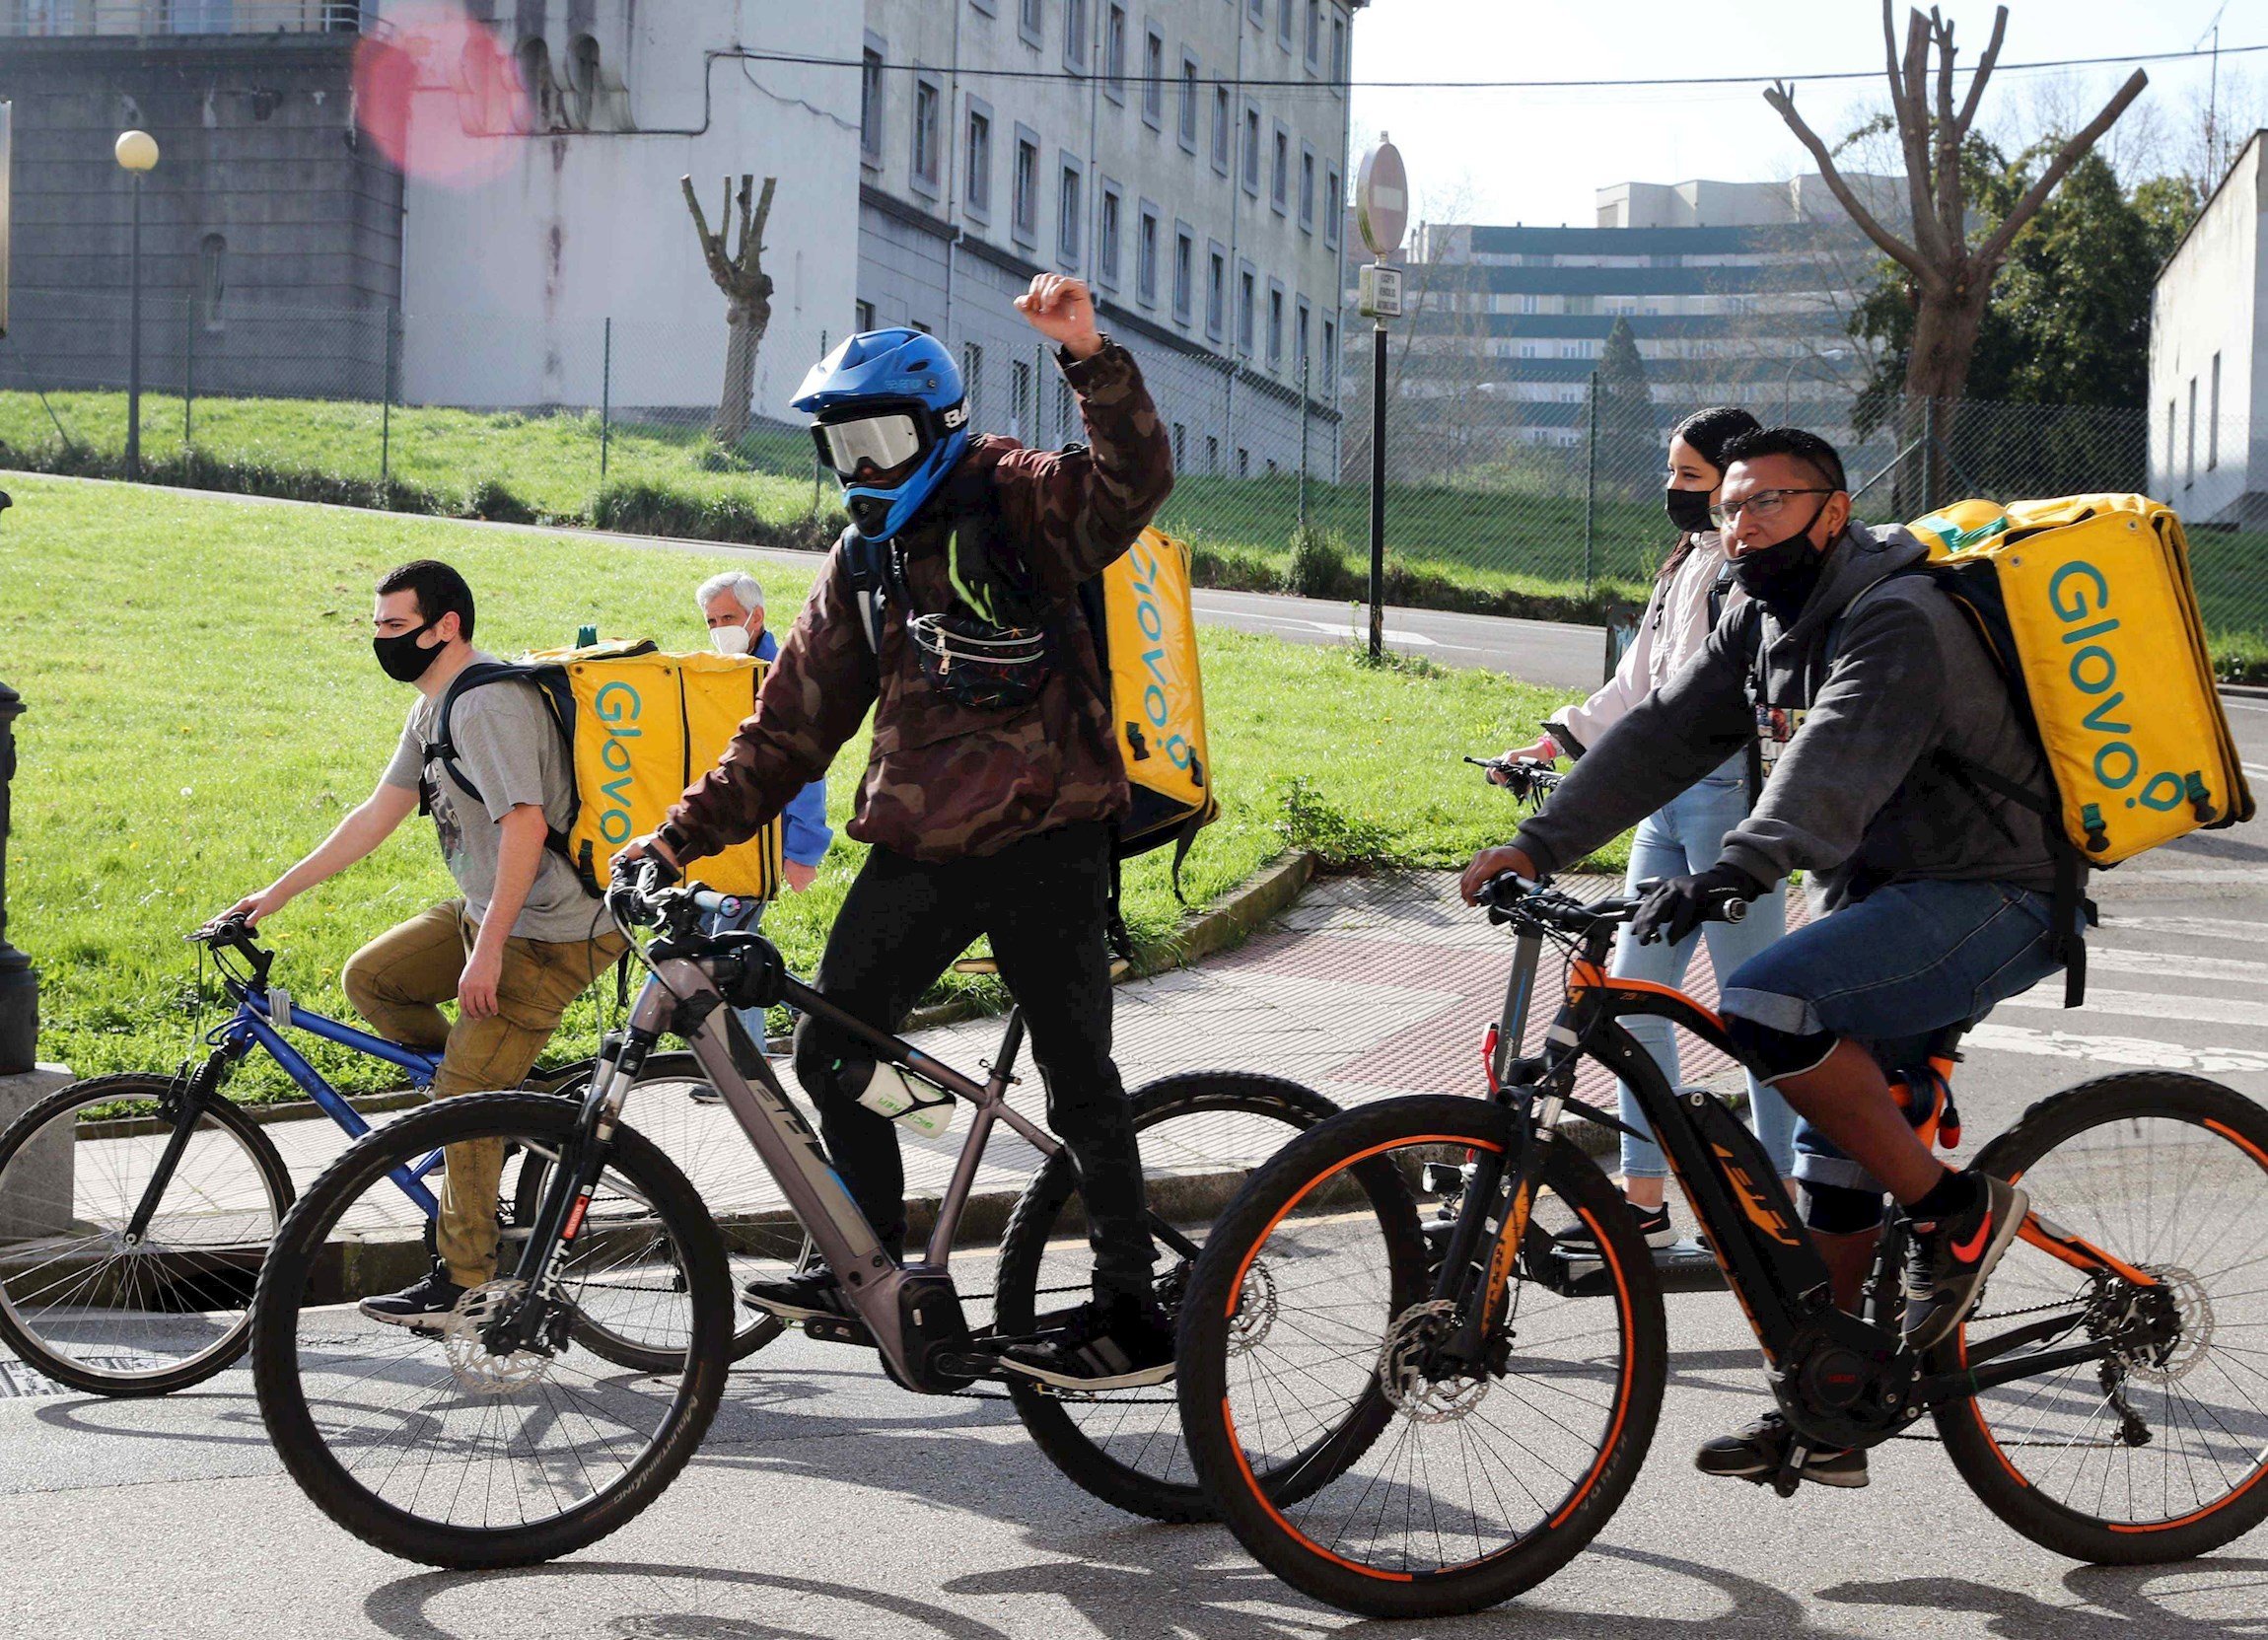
(1043, 901)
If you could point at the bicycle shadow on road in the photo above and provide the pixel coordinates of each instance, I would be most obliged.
(2119, 1603)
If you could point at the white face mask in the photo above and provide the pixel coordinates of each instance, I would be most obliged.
(729, 640)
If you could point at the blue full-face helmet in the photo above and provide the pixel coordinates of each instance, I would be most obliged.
(890, 417)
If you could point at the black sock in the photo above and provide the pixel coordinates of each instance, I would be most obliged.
(1949, 1194)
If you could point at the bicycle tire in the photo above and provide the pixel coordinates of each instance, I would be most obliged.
(1966, 1426)
(1054, 1428)
(22, 1332)
(282, 1392)
(1212, 1314)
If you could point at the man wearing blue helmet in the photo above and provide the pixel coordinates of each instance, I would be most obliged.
(951, 607)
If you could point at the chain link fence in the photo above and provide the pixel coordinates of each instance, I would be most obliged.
(1495, 501)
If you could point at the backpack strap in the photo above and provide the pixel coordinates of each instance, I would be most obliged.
(558, 696)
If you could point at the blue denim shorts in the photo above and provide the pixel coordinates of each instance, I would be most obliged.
(1891, 971)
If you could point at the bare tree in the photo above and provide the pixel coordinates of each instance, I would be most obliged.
(748, 289)
(1953, 276)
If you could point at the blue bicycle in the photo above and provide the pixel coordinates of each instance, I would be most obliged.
(135, 1209)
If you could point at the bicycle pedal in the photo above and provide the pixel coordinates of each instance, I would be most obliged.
(838, 1329)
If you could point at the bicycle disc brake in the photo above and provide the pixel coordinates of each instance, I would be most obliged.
(477, 1368)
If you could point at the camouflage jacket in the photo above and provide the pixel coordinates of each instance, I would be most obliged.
(944, 780)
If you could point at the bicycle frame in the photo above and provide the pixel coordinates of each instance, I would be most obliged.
(1841, 1379)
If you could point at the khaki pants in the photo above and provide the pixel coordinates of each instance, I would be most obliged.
(398, 981)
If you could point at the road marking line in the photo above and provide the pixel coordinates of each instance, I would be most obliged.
(2257, 876)
(2209, 928)
(2116, 1051)
(2173, 965)
(2256, 771)
(2149, 1005)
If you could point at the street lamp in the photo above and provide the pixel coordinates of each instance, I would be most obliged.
(1788, 380)
(137, 152)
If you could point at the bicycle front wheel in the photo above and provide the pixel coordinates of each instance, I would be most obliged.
(1199, 1136)
(2158, 1451)
(1345, 1455)
(435, 1446)
(131, 1234)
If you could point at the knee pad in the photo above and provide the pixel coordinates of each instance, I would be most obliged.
(1777, 1053)
(1839, 1211)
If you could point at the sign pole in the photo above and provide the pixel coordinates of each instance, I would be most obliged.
(1377, 488)
(1382, 215)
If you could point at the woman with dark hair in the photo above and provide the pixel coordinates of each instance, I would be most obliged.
(1690, 591)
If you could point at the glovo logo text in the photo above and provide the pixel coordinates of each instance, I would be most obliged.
(2079, 594)
(618, 707)
(1150, 615)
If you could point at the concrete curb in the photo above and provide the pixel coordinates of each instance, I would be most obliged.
(2247, 692)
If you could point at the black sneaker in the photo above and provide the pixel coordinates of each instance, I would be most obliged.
(424, 1307)
(1951, 1256)
(1654, 1228)
(1758, 1452)
(798, 1297)
(1120, 1345)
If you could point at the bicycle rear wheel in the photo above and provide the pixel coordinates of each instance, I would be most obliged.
(1199, 1135)
(436, 1449)
(1310, 1315)
(113, 1279)
(2158, 1452)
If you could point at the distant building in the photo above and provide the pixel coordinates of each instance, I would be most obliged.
(2209, 355)
(1735, 292)
(1114, 141)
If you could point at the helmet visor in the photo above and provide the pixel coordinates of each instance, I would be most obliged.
(870, 448)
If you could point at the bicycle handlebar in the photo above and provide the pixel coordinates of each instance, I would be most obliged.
(1513, 899)
(1523, 777)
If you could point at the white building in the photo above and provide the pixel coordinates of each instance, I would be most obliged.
(1186, 157)
(2209, 355)
(529, 218)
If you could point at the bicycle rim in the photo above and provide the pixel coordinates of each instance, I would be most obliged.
(2158, 1440)
(437, 1449)
(87, 1300)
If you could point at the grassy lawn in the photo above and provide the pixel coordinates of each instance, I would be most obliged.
(202, 706)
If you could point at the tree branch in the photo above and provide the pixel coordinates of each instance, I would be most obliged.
(1952, 187)
(1983, 72)
(1783, 100)
(1988, 256)
(764, 211)
(712, 245)
(741, 250)
(1909, 102)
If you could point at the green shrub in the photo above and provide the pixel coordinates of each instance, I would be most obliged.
(1312, 822)
(493, 499)
(1231, 570)
(1319, 566)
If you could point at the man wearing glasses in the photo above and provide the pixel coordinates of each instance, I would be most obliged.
(1886, 731)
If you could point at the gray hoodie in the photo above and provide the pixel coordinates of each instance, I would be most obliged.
(1864, 721)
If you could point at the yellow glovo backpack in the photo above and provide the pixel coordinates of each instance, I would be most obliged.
(639, 726)
(2086, 604)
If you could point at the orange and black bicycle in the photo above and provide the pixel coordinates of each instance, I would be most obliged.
(1385, 1297)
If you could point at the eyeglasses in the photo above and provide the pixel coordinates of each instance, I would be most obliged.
(1762, 506)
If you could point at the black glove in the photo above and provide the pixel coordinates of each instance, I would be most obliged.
(1674, 909)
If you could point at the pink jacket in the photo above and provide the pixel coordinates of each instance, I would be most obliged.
(1670, 633)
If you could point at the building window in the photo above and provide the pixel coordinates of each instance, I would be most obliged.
(1180, 446)
(972, 378)
(1212, 453)
(1146, 256)
(1340, 50)
(2189, 461)
(1253, 148)
(870, 103)
(1280, 171)
(1246, 299)
(1334, 205)
(1258, 11)
(1216, 290)
(928, 101)
(1070, 211)
(1315, 41)
(1032, 21)
(1275, 325)
(1075, 36)
(1307, 188)
(1114, 54)
(1188, 102)
(1330, 358)
(1528, 302)
(1107, 237)
(212, 286)
(1222, 118)
(1024, 202)
(1284, 23)
(1300, 358)
(1153, 79)
(1018, 399)
(2213, 419)
(987, 7)
(976, 181)
(1243, 463)
(1184, 271)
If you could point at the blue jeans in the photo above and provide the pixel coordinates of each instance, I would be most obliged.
(1890, 972)
(1686, 835)
(748, 921)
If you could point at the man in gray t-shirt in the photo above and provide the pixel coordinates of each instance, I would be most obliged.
(521, 944)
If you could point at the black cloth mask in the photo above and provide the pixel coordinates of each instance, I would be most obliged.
(403, 657)
(1688, 510)
(1781, 575)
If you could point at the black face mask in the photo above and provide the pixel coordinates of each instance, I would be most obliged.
(1688, 510)
(1781, 575)
(403, 657)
